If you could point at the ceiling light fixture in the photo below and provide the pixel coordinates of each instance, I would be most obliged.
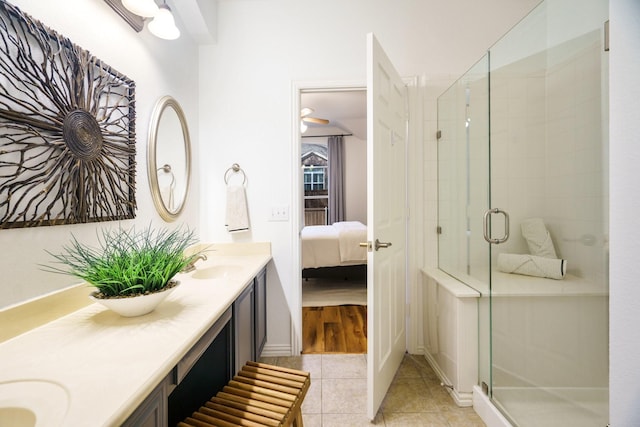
(163, 25)
(144, 8)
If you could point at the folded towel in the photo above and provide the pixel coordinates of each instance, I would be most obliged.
(237, 218)
(531, 265)
(538, 238)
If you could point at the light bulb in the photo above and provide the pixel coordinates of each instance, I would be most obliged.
(144, 8)
(163, 24)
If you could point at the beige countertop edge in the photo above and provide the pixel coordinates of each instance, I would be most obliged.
(108, 364)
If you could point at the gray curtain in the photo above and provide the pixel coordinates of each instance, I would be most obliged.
(335, 147)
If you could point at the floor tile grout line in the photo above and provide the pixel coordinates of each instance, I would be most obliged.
(411, 366)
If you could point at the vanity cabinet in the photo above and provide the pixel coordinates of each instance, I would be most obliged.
(237, 336)
(153, 412)
(205, 369)
(250, 320)
(243, 320)
(260, 316)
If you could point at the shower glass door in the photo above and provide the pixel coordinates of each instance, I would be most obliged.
(463, 191)
(463, 177)
(549, 169)
(525, 131)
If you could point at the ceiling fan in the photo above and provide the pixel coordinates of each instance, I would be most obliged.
(306, 118)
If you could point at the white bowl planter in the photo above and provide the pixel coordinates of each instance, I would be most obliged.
(136, 305)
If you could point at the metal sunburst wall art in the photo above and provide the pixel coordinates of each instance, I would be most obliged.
(67, 130)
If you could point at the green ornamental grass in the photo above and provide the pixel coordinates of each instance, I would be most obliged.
(128, 262)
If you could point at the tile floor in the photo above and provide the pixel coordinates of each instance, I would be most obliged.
(337, 396)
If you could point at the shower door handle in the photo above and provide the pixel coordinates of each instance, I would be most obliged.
(485, 226)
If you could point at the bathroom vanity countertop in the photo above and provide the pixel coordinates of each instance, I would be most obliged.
(107, 364)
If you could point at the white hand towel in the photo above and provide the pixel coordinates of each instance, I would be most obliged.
(166, 194)
(237, 218)
(538, 238)
(531, 265)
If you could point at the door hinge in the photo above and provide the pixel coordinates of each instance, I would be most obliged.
(606, 35)
(439, 134)
(439, 230)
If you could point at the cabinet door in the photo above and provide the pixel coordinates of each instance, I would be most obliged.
(260, 296)
(243, 323)
(153, 411)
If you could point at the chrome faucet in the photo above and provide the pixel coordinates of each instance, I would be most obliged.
(192, 265)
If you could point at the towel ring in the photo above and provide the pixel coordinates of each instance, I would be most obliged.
(167, 169)
(235, 168)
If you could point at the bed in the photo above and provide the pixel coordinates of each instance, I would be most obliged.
(334, 245)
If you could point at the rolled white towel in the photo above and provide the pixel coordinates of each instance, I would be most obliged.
(531, 265)
(538, 238)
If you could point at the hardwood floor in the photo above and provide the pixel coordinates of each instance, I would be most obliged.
(334, 329)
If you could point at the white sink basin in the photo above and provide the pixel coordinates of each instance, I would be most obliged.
(33, 403)
(226, 271)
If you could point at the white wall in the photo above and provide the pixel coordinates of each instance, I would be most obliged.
(624, 308)
(158, 68)
(265, 48)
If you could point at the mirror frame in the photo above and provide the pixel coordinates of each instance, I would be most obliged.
(152, 168)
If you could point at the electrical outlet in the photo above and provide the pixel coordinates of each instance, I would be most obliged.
(279, 213)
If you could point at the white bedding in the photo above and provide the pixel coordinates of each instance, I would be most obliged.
(333, 245)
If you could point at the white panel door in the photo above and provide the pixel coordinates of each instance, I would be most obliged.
(386, 219)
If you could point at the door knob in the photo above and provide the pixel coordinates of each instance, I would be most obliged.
(378, 244)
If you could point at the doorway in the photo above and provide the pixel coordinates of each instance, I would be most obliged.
(333, 290)
(388, 122)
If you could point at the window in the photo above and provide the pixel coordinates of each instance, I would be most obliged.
(316, 185)
(315, 178)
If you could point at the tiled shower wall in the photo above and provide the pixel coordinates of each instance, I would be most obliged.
(548, 148)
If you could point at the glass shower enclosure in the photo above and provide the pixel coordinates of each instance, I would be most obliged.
(523, 212)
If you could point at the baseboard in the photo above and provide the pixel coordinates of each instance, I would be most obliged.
(487, 411)
(275, 350)
(460, 398)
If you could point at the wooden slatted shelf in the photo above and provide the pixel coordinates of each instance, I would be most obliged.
(259, 395)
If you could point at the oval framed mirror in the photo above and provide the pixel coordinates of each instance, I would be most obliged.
(169, 158)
